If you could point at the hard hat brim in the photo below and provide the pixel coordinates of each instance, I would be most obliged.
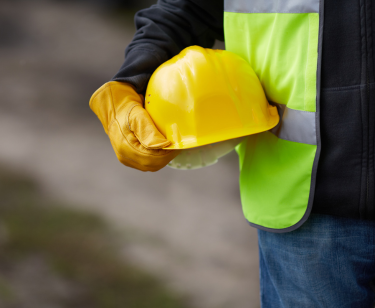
(273, 121)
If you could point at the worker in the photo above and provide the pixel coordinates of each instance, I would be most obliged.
(308, 184)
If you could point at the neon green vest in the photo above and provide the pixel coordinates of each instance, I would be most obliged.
(282, 42)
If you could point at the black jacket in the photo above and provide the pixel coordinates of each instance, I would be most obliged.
(345, 177)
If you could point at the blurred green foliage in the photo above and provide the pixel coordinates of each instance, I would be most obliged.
(77, 245)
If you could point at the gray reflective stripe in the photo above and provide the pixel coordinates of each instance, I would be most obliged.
(296, 125)
(271, 6)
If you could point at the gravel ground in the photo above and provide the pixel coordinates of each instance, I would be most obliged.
(185, 226)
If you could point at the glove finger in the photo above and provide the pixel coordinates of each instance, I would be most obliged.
(132, 153)
(141, 124)
(154, 164)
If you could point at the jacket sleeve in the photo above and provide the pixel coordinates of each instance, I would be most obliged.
(163, 30)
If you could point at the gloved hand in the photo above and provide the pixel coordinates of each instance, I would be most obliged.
(134, 137)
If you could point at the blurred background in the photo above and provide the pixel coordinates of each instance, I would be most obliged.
(78, 229)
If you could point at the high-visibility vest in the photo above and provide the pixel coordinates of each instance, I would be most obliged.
(282, 41)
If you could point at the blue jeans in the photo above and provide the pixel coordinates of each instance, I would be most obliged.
(328, 262)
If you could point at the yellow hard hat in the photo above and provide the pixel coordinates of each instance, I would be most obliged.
(203, 96)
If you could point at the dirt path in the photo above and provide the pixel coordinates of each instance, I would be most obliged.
(185, 226)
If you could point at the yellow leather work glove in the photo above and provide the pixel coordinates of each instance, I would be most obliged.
(134, 137)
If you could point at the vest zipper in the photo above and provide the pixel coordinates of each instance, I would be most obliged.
(368, 108)
(368, 136)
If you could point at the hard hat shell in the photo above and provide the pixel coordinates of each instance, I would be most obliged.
(203, 96)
